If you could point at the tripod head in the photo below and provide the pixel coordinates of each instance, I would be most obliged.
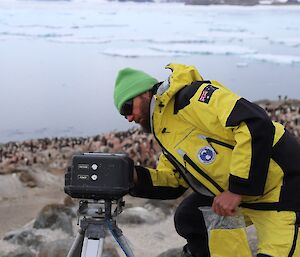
(100, 209)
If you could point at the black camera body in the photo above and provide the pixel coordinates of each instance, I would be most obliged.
(97, 176)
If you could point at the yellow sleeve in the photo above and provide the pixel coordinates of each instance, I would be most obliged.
(164, 182)
(166, 175)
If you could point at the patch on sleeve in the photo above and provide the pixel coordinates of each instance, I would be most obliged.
(207, 93)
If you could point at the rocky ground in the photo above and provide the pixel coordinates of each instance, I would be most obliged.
(32, 177)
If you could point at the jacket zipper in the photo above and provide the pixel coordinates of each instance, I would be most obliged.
(201, 172)
(182, 170)
(215, 141)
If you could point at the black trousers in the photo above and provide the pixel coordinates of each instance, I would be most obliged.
(189, 223)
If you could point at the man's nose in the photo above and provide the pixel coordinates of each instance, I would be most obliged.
(129, 118)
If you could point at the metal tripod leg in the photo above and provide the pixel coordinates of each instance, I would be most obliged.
(76, 248)
(97, 218)
(94, 238)
(92, 247)
(89, 240)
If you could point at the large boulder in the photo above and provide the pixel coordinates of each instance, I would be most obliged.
(27, 178)
(70, 202)
(162, 207)
(55, 216)
(137, 215)
(10, 185)
(152, 211)
(19, 252)
(24, 237)
(58, 248)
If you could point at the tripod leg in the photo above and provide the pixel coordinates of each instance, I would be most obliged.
(76, 248)
(92, 247)
(100, 247)
(120, 238)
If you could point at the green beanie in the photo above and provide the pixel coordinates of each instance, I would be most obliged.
(131, 83)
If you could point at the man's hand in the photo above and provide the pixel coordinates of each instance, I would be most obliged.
(225, 204)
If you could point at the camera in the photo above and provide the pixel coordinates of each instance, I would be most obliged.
(97, 176)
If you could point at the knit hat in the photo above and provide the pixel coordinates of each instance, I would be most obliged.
(131, 83)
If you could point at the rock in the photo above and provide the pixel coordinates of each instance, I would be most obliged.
(152, 211)
(137, 215)
(69, 201)
(55, 216)
(27, 179)
(24, 237)
(20, 252)
(174, 252)
(110, 250)
(159, 235)
(10, 185)
(58, 248)
(166, 207)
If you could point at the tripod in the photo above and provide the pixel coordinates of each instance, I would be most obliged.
(95, 218)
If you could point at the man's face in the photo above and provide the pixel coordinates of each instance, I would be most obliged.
(141, 111)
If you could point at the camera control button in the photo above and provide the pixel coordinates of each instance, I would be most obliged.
(94, 177)
(94, 166)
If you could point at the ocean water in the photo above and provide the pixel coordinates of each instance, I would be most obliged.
(59, 59)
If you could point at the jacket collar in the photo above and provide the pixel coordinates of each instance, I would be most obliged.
(181, 76)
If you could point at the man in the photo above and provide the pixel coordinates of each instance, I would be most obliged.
(223, 147)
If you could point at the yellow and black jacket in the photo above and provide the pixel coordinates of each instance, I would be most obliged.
(213, 138)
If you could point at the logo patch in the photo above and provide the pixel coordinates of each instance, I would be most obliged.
(206, 155)
(207, 93)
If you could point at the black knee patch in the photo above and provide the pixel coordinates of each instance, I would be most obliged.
(188, 218)
(190, 224)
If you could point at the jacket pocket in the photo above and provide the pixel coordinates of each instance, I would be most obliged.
(206, 158)
(188, 160)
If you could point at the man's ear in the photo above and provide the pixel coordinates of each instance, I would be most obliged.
(149, 94)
